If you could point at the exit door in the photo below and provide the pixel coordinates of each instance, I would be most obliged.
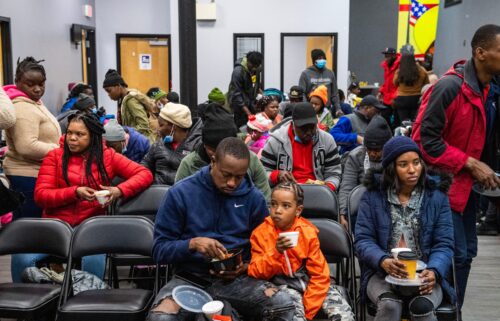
(144, 61)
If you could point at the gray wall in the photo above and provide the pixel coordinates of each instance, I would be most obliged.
(125, 16)
(456, 26)
(41, 29)
(373, 26)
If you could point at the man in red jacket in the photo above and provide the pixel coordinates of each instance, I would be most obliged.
(388, 90)
(450, 129)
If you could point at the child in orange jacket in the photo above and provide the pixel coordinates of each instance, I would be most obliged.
(302, 268)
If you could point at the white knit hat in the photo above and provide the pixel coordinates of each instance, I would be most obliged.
(177, 114)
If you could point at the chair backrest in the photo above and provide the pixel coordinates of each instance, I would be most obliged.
(353, 201)
(335, 241)
(320, 202)
(113, 234)
(144, 204)
(36, 235)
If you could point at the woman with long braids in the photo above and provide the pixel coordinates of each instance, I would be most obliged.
(409, 78)
(72, 174)
(35, 133)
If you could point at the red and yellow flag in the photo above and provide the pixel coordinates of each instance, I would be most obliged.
(421, 17)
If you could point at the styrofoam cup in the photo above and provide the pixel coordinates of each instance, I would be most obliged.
(395, 251)
(292, 236)
(102, 196)
(212, 308)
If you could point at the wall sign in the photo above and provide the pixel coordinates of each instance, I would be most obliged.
(145, 62)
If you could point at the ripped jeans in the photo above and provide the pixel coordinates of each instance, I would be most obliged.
(246, 295)
(390, 306)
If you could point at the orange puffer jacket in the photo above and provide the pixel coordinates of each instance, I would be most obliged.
(267, 262)
(58, 200)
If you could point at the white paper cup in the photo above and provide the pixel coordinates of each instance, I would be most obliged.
(292, 236)
(376, 84)
(102, 196)
(395, 251)
(212, 308)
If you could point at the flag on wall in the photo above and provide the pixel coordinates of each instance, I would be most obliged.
(418, 24)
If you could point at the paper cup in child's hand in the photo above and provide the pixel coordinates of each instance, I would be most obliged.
(292, 236)
(102, 196)
(212, 308)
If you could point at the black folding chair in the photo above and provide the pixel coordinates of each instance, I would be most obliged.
(102, 235)
(144, 204)
(30, 301)
(337, 247)
(353, 201)
(320, 202)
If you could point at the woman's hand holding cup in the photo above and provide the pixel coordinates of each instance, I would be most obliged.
(394, 268)
(86, 193)
(114, 193)
(428, 278)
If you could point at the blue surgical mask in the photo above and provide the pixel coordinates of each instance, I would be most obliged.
(124, 149)
(297, 139)
(320, 63)
(169, 138)
(94, 110)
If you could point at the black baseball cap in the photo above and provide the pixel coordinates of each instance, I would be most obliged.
(296, 92)
(389, 50)
(304, 114)
(371, 100)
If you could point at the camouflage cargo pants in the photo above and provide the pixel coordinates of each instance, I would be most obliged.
(335, 305)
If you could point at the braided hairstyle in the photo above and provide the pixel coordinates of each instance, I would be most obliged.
(94, 151)
(294, 188)
(29, 64)
(264, 101)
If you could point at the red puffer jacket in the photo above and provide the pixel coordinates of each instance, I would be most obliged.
(59, 200)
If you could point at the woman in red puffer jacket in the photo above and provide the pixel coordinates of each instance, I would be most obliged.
(70, 175)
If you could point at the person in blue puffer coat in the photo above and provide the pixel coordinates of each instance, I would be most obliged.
(404, 207)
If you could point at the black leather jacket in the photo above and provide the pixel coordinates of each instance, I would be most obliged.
(163, 161)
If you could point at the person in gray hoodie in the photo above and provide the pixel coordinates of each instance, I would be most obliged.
(360, 160)
(298, 151)
(319, 74)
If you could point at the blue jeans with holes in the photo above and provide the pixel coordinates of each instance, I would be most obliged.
(464, 225)
(94, 264)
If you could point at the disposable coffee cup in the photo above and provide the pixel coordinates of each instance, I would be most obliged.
(102, 196)
(212, 308)
(395, 251)
(410, 261)
(292, 236)
(376, 84)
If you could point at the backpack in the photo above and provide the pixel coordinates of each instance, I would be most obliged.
(149, 106)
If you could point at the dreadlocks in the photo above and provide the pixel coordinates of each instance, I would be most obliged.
(94, 151)
(29, 64)
(294, 188)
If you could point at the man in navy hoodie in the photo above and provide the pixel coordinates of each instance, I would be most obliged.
(201, 218)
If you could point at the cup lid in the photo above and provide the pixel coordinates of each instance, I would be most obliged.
(190, 298)
(407, 255)
(212, 307)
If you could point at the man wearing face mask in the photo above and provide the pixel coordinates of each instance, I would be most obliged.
(298, 151)
(159, 97)
(360, 160)
(126, 141)
(244, 86)
(318, 74)
(179, 135)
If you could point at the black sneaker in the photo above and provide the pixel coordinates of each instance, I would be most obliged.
(486, 229)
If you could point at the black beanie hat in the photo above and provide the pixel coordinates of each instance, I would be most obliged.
(218, 124)
(113, 78)
(173, 97)
(84, 102)
(396, 146)
(316, 54)
(377, 133)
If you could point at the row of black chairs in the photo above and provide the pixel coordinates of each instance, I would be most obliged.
(97, 235)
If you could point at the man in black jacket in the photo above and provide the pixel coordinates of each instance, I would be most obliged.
(244, 86)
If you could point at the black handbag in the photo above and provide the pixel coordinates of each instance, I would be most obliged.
(9, 200)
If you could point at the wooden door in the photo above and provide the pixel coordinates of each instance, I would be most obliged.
(144, 62)
(324, 43)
